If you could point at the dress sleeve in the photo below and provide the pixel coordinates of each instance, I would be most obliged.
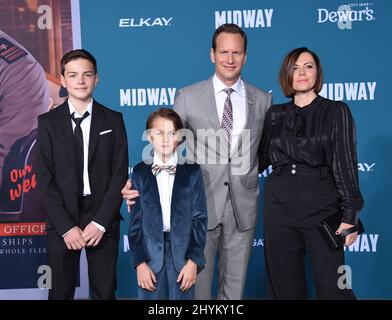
(345, 165)
(263, 151)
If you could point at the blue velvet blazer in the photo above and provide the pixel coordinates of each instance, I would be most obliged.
(188, 221)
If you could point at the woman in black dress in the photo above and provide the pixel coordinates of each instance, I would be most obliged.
(311, 144)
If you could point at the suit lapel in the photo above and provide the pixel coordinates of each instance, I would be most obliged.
(250, 112)
(66, 132)
(152, 196)
(211, 110)
(152, 187)
(209, 104)
(97, 118)
(178, 182)
(250, 106)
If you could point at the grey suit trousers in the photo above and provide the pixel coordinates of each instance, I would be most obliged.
(235, 249)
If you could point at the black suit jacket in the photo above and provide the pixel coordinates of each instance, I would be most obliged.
(56, 173)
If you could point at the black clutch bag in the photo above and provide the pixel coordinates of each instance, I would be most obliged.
(329, 226)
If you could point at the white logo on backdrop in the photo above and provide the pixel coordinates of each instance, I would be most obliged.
(141, 97)
(364, 243)
(346, 14)
(349, 91)
(257, 18)
(145, 22)
(366, 167)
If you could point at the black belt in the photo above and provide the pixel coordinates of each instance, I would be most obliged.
(293, 168)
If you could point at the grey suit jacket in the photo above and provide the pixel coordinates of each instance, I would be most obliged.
(233, 178)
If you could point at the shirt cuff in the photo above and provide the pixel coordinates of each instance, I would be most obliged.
(67, 232)
(99, 226)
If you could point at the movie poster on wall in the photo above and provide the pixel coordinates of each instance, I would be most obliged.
(34, 35)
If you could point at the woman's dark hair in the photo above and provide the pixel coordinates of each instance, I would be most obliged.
(287, 70)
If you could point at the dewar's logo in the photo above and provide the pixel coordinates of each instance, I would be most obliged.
(347, 14)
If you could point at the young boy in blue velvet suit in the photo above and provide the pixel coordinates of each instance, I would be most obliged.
(168, 223)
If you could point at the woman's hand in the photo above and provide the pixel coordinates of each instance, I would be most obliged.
(351, 238)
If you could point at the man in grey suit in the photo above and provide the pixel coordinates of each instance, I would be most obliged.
(225, 117)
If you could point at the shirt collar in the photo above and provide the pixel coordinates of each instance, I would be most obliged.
(172, 161)
(220, 86)
(72, 109)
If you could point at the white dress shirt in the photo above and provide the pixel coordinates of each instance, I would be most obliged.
(165, 183)
(238, 101)
(85, 126)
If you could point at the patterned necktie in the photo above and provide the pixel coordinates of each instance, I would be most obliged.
(156, 168)
(227, 118)
(79, 151)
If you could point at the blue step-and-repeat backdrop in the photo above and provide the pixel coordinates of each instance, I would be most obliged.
(148, 49)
